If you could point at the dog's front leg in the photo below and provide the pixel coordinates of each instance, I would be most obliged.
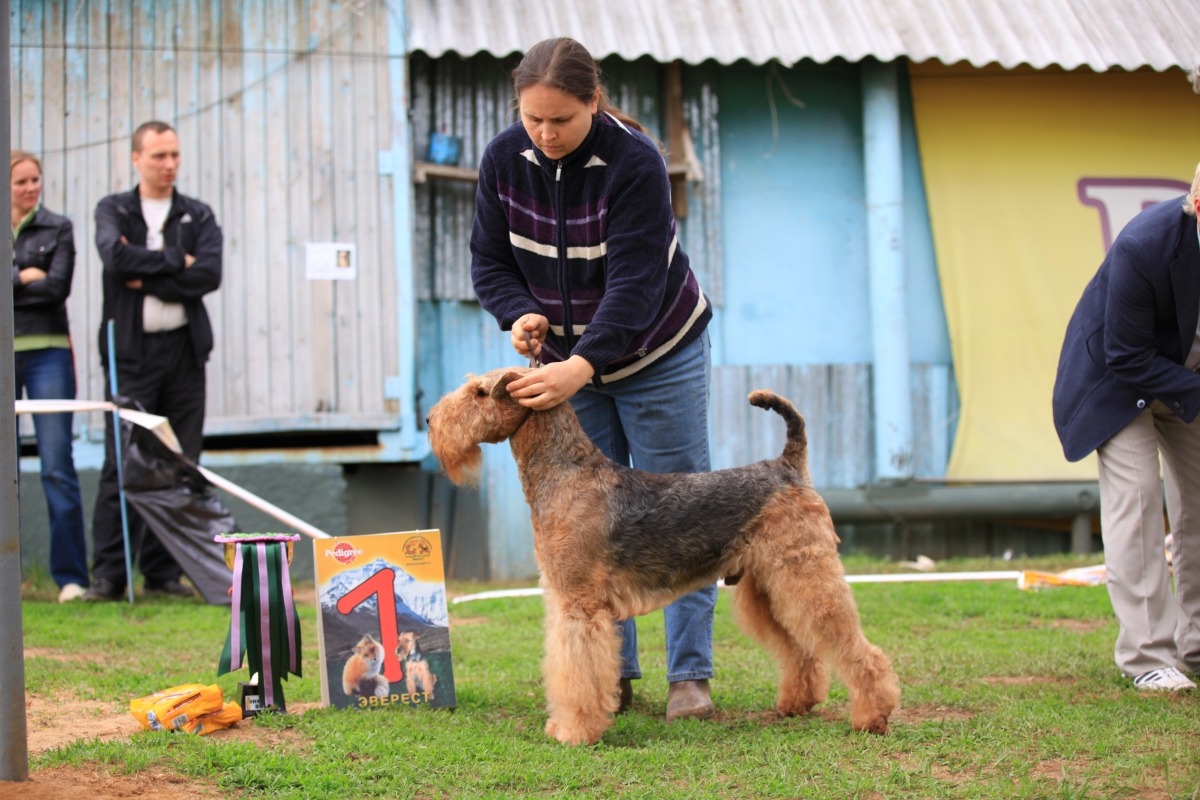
(581, 668)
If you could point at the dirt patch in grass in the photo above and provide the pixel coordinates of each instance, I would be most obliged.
(81, 783)
(66, 658)
(761, 718)
(1022, 680)
(57, 721)
(262, 735)
(60, 721)
(1080, 625)
(929, 712)
(955, 776)
(466, 622)
(1053, 769)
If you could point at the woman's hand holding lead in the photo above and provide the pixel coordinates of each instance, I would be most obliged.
(537, 326)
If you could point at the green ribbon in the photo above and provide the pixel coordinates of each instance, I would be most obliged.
(280, 642)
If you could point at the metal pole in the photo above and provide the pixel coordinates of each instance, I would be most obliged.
(1081, 534)
(882, 163)
(116, 416)
(14, 751)
(403, 203)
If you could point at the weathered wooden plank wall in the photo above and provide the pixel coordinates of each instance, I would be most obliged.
(835, 400)
(282, 107)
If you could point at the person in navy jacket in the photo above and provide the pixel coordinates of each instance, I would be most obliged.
(1128, 388)
(574, 246)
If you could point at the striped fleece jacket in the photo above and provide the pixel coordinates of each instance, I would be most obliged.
(588, 242)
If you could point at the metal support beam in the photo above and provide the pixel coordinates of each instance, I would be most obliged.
(1081, 534)
(412, 446)
(14, 750)
(921, 502)
(883, 167)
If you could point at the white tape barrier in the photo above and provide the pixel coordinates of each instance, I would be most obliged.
(923, 577)
(273, 510)
(926, 577)
(59, 406)
(161, 428)
(497, 594)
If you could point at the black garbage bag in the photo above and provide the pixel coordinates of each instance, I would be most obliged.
(179, 506)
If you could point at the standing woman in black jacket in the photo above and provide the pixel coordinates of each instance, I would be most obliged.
(43, 264)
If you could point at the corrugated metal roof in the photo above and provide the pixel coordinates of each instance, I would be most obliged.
(1097, 33)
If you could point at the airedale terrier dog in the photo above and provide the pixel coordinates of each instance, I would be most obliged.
(613, 542)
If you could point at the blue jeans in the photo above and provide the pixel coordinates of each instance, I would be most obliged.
(659, 419)
(50, 375)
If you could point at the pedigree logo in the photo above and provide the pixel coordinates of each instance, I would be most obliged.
(344, 552)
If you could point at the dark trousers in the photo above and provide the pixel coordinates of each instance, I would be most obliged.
(168, 381)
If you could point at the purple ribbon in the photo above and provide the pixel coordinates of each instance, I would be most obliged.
(288, 606)
(265, 681)
(235, 630)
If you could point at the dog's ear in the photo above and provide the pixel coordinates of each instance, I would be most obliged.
(500, 389)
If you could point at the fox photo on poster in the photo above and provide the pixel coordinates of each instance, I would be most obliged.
(382, 623)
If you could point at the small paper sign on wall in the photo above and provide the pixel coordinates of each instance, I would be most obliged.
(330, 261)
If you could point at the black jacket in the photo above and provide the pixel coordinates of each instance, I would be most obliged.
(190, 229)
(1131, 332)
(47, 242)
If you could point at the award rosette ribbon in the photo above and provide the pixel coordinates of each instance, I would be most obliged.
(264, 626)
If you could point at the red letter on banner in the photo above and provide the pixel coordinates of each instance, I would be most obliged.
(382, 586)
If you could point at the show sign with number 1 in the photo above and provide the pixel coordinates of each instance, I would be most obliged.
(382, 623)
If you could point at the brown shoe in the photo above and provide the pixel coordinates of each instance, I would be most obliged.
(626, 695)
(689, 699)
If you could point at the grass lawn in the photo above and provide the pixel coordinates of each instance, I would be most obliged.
(1005, 694)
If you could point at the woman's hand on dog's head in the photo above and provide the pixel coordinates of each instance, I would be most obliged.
(553, 384)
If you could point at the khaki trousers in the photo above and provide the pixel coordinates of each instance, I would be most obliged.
(1158, 628)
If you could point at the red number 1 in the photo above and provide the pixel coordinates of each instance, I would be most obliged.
(380, 585)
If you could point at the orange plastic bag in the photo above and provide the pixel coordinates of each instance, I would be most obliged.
(216, 721)
(172, 708)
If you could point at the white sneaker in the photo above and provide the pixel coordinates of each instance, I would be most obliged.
(1167, 679)
(72, 591)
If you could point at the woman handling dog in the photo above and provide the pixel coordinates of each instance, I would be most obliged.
(574, 252)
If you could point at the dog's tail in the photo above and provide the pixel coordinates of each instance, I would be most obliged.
(795, 452)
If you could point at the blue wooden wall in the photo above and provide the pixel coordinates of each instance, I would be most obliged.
(795, 222)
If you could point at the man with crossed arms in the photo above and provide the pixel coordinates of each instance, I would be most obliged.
(162, 254)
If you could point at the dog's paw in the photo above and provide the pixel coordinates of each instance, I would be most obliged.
(793, 708)
(877, 724)
(573, 735)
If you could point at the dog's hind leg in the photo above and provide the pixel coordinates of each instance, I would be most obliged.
(581, 668)
(804, 679)
(824, 613)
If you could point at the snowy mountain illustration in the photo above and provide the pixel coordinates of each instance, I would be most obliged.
(424, 602)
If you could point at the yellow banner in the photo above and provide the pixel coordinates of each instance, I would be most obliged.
(1029, 177)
